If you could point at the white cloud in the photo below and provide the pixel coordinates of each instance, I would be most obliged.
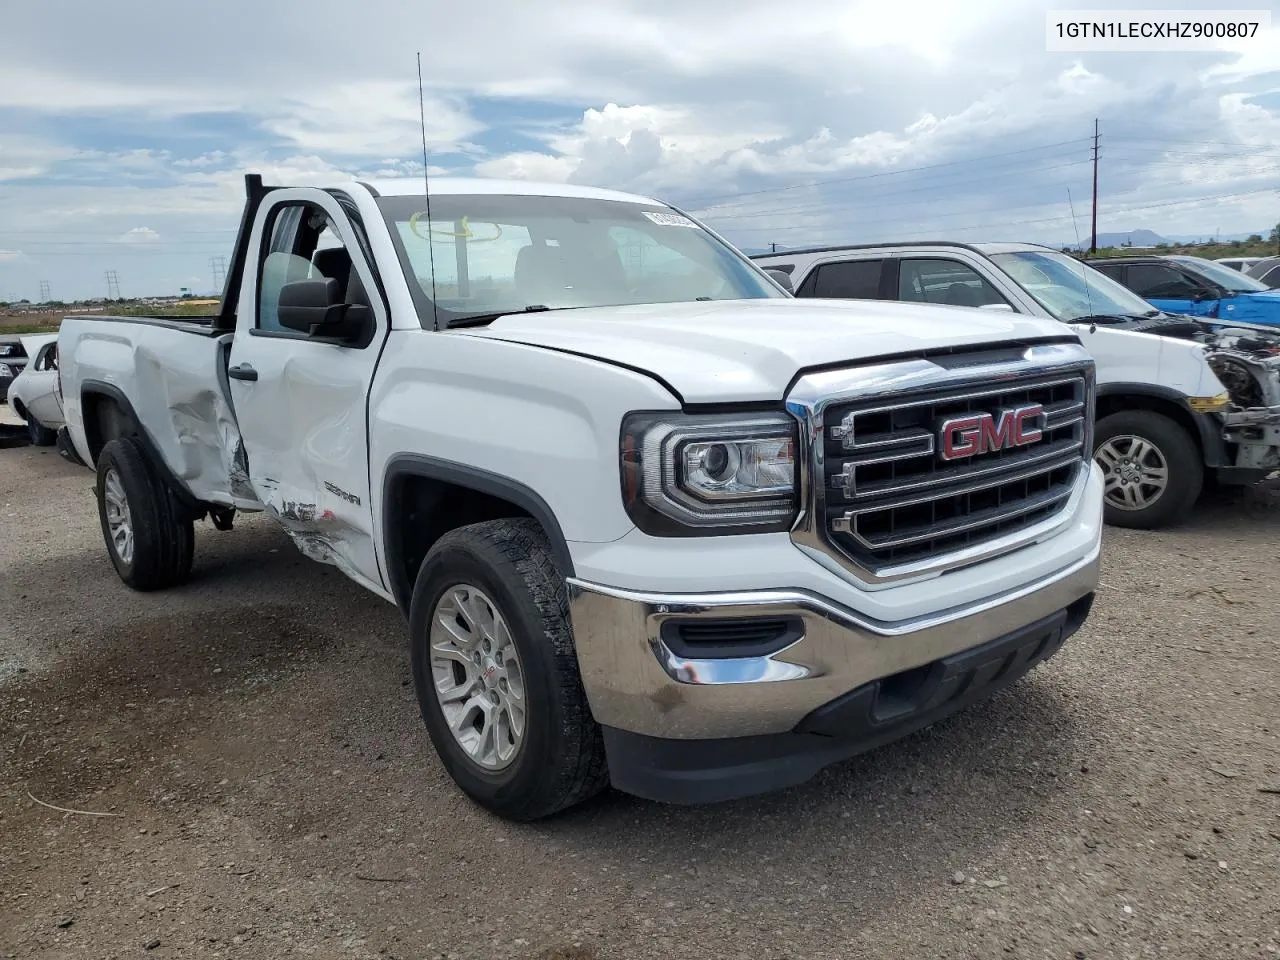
(139, 235)
(7, 256)
(804, 117)
(371, 118)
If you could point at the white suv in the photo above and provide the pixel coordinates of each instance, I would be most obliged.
(1178, 403)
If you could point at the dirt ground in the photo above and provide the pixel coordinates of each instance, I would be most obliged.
(271, 791)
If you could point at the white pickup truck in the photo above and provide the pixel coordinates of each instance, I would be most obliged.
(651, 520)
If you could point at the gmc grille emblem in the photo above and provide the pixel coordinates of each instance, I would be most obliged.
(976, 433)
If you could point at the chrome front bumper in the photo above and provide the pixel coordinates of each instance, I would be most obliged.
(635, 683)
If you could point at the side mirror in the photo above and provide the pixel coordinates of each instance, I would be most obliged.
(782, 277)
(1208, 293)
(315, 307)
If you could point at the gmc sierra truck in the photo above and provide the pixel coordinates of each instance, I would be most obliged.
(652, 521)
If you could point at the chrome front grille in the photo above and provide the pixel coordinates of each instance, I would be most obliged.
(885, 497)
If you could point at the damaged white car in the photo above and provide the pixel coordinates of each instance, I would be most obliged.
(1181, 403)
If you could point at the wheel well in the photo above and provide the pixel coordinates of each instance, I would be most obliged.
(420, 510)
(18, 408)
(1116, 403)
(104, 420)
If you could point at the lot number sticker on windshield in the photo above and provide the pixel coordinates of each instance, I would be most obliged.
(670, 219)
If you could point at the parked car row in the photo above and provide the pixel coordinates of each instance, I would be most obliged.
(13, 358)
(1180, 401)
(33, 392)
(1196, 287)
(1266, 269)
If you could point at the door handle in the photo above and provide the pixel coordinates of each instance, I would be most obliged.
(242, 371)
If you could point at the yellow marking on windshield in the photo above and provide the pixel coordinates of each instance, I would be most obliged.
(466, 232)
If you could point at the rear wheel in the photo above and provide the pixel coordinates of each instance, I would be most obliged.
(496, 672)
(150, 543)
(41, 436)
(1152, 468)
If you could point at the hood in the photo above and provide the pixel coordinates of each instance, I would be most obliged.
(750, 350)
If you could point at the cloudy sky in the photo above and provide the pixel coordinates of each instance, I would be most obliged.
(126, 128)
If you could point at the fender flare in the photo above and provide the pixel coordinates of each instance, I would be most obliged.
(90, 388)
(403, 465)
(1208, 430)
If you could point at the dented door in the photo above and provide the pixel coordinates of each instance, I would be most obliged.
(301, 401)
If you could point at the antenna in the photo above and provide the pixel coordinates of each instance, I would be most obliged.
(1084, 278)
(426, 184)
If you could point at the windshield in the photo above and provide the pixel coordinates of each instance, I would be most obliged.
(1069, 289)
(1230, 280)
(495, 254)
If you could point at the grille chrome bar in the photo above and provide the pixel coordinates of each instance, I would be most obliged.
(1063, 453)
(883, 503)
(848, 523)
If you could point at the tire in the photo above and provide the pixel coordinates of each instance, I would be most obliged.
(41, 436)
(1116, 439)
(162, 541)
(505, 567)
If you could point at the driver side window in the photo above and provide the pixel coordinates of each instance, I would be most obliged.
(303, 244)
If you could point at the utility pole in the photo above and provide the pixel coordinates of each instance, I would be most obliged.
(219, 267)
(773, 247)
(113, 285)
(44, 291)
(1093, 239)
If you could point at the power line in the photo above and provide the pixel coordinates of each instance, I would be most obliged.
(109, 233)
(1134, 208)
(704, 201)
(826, 204)
(1210, 143)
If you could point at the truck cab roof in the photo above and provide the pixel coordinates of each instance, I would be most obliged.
(454, 186)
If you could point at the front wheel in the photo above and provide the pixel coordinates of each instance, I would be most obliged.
(149, 541)
(1152, 468)
(496, 672)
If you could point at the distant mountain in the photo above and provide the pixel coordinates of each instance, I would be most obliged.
(1134, 238)
(1149, 238)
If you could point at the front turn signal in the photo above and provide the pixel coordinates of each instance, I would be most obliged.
(1215, 404)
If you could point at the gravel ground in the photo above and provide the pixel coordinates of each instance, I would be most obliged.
(271, 790)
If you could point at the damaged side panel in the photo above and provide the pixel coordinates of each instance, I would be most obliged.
(172, 376)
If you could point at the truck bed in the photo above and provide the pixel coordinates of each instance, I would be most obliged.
(169, 376)
(201, 326)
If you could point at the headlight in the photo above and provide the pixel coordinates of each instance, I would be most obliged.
(702, 475)
(6, 370)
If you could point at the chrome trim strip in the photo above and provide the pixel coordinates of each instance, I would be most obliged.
(774, 603)
(848, 522)
(1060, 451)
(814, 393)
(632, 686)
(1030, 385)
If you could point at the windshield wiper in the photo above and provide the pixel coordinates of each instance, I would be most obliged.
(1106, 318)
(480, 319)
